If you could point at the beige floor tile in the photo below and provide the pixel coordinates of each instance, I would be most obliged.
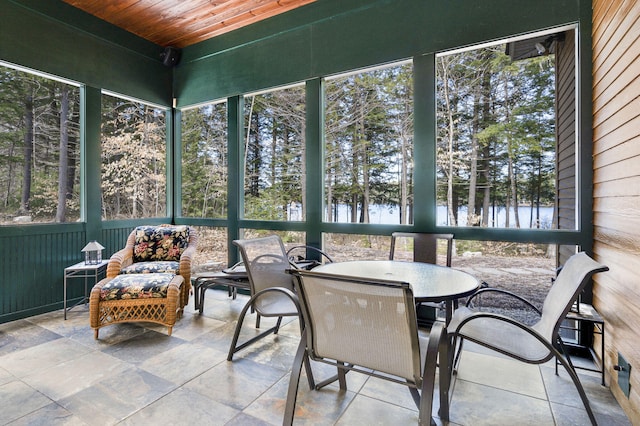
(75, 375)
(43, 357)
(51, 415)
(17, 399)
(183, 407)
(117, 396)
(502, 373)
(478, 405)
(321, 407)
(183, 363)
(369, 411)
(236, 384)
(53, 371)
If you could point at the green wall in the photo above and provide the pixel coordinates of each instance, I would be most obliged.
(327, 37)
(304, 45)
(54, 37)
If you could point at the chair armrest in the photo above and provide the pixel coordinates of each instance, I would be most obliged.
(503, 292)
(530, 330)
(186, 258)
(295, 259)
(94, 303)
(185, 264)
(120, 259)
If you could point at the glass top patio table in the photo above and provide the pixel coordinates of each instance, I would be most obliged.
(430, 283)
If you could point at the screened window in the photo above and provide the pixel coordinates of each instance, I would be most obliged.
(212, 249)
(39, 148)
(274, 155)
(506, 134)
(369, 146)
(204, 161)
(134, 169)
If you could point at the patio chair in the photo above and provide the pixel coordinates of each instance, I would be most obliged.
(425, 246)
(158, 249)
(534, 344)
(271, 287)
(425, 249)
(300, 256)
(368, 327)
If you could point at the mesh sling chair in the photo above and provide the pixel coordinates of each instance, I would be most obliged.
(369, 327)
(271, 287)
(534, 344)
(425, 249)
(307, 257)
(425, 246)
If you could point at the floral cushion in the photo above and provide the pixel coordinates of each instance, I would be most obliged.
(152, 267)
(159, 243)
(136, 286)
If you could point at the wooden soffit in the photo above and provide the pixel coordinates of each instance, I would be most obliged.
(180, 23)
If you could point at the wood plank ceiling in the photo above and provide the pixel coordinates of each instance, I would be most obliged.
(180, 23)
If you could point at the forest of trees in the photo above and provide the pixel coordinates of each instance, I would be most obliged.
(204, 161)
(134, 166)
(39, 148)
(495, 147)
(495, 144)
(40, 153)
(496, 135)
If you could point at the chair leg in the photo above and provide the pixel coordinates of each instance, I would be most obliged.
(576, 381)
(456, 361)
(200, 298)
(444, 351)
(415, 395)
(277, 326)
(234, 343)
(429, 374)
(340, 376)
(294, 380)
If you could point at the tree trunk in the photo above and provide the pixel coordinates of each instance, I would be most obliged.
(303, 172)
(364, 213)
(403, 180)
(331, 217)
(28, 156)
(473, 160)
(451, 209)
(514, 191)
(63, 163)
(486, 202)
(511, 173)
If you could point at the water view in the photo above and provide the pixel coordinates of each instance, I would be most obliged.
(389, 215)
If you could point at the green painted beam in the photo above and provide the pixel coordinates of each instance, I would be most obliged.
(334, 36)
(64, 47)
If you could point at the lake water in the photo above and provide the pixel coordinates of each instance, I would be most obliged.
(386, 215)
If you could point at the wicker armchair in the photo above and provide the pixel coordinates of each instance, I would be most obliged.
(158, 249)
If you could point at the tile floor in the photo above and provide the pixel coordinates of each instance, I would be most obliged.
(53, 372)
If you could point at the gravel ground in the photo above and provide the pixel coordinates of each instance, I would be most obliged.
(528, 274)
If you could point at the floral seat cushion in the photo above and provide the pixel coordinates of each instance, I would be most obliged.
(152, 267)
(160, 243)
(136, 286)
